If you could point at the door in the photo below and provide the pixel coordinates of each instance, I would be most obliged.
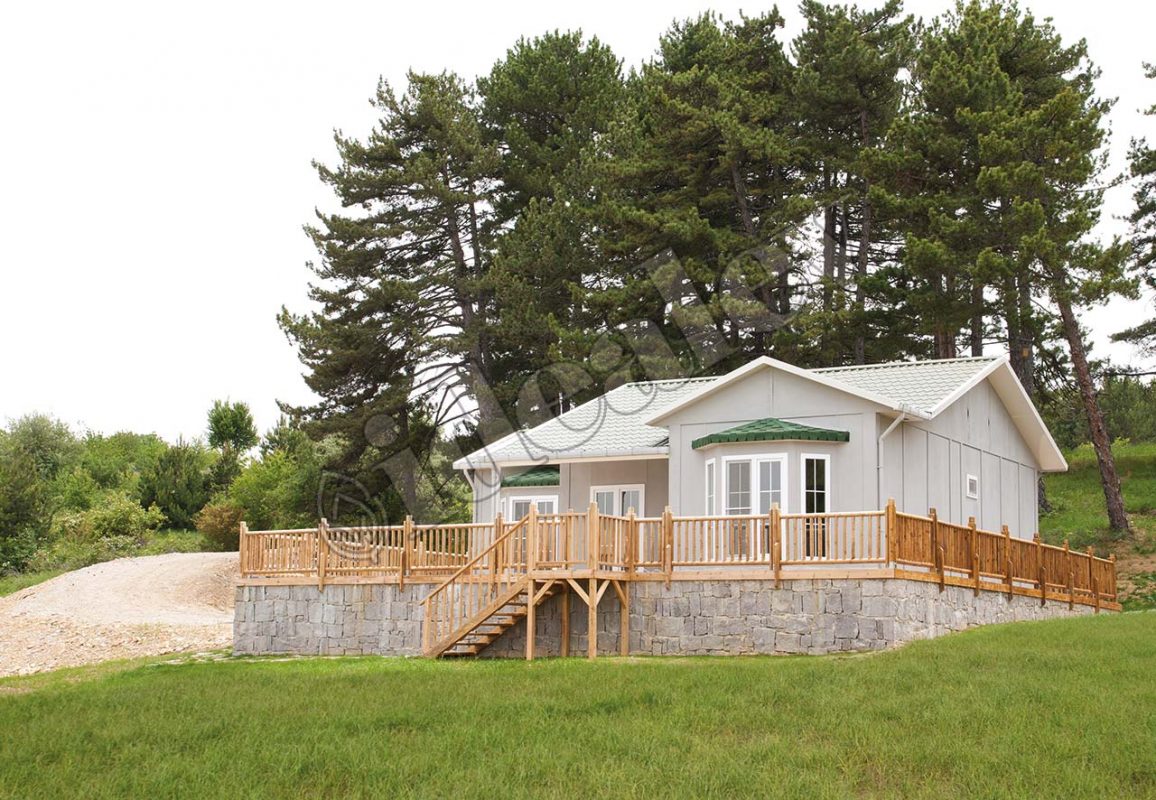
(816, 500)
(617, 501)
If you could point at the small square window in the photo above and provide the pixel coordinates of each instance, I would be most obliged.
(973, 487)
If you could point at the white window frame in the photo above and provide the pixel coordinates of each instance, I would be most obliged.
(618, 489)
(826, 459)
(756, 486)
(967, 490)
(534, 500)
(710, 478)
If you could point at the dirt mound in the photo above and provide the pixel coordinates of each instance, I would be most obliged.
(120, 609)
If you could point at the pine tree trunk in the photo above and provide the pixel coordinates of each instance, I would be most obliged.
(1109, 479)
(861, 276)
(976, 336)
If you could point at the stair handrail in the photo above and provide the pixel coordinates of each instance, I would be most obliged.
(473, 561)
(444, 615)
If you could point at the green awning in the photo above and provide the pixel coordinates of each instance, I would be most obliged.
(535, 476)
(771, 429)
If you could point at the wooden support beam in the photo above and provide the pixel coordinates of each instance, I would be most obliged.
(577, 587)
(530, 620)
(546, 587)
(592, 621)
(565, 621)
(623, 593)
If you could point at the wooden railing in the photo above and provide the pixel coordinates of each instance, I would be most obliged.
(923, 546)
(1000, 561)
(478, 588)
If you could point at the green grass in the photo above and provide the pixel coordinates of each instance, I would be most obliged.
(10, 584)
(1058, 709)
(1078, 509)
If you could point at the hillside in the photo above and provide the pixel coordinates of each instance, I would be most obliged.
(1055, 709)
(1078, 514)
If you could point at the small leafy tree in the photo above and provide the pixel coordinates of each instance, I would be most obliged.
(179, 483)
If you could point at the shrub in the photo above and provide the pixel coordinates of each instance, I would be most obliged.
(114, 515)
(220, 522)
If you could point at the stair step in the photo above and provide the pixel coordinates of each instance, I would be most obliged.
(488, 631)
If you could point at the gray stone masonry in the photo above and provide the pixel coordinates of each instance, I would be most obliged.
(725, 617)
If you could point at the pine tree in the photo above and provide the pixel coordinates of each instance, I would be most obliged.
(1142, 159)
(848, 89)
(1006, 147)
(700, 201)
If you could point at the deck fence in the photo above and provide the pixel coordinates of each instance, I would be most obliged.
(657, 548)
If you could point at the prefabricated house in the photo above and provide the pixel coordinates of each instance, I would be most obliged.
(772, 509)
(958, 435)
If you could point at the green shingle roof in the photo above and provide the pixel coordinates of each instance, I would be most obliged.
(771, 429)
(535, 476)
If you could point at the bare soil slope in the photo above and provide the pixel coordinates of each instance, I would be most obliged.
(126, 608)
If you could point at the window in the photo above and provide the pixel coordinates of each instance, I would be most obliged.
(771, 482)
(618, 500)
(710, 507)
(738, 487)
(520, 506)
(816, 486)
(816, 483)
(973, 487)
(752, 484)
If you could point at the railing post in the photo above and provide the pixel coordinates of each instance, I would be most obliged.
(1071, 575)
(936, 563)
(973, 537)
(592, 536)
(532, 538)
(406, 549)
(1008, 560)
(322, 551)
(1091, 565)
(499, 526)
(243, 548)
(892, 532)
(668, 544)
(776, 548)
(631, 541)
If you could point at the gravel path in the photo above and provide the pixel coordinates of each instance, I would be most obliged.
(126, 608)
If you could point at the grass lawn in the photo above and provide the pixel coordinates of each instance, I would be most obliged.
(1058, 709)
(10, 584)
(1078, 510)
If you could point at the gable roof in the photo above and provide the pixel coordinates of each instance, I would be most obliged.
(626, 422)
(770, 430)
(611, 426)
(926, 386)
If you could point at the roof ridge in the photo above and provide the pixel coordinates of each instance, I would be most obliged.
(669, 380)
(915, 363)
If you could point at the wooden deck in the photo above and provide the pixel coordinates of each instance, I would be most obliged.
(487, 576)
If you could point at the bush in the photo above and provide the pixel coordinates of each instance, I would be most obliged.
(220, 523)
(114, 515)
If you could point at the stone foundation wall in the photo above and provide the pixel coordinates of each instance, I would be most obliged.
(336, 620)
(725, 617)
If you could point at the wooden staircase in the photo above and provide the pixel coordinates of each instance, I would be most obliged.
(489, 630)
(483, 599)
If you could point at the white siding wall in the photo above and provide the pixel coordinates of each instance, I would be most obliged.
(926, 464)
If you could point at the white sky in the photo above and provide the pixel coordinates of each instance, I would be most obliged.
(156, 174)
